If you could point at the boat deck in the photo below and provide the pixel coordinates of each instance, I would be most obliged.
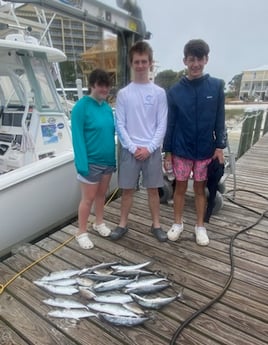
(238, 318)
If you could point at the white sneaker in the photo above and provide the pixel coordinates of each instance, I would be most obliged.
(201, 235)
(102, 229)
(174, 232)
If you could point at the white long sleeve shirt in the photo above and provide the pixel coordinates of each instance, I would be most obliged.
(141, 116)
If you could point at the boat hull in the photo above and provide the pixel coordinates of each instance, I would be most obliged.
(37, 198)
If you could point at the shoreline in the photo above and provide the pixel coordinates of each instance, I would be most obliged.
(253, 106)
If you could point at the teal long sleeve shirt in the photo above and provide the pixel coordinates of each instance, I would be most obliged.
(93, 134)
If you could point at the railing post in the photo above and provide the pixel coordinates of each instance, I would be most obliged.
(265, 127)
(246, 133)
(257, 129)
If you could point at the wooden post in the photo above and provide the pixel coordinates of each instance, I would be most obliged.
(257, 129)
(246, 133)
(265, 127)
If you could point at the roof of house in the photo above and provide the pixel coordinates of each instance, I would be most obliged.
(260, 68)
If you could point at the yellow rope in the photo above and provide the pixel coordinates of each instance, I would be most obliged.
(3, 286)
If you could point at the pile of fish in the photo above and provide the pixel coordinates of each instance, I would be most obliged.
(112, 292)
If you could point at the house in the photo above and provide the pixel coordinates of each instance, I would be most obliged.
(254, 84)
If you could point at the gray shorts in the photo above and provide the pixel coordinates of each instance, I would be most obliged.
(130, 169)
(95, 173)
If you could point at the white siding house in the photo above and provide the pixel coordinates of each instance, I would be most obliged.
(254, 84)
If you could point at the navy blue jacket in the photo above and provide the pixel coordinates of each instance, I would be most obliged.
(196, 118)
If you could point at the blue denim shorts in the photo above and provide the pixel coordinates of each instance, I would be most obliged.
(95, 173)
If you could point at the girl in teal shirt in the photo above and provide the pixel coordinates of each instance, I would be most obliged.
(93, 134)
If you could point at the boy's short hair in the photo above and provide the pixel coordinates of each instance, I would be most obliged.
(141, 47)
(100, 77)
(196, 47)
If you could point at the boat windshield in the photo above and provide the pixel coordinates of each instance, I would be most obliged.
(29, 83)
(43, 86)
(11, 90)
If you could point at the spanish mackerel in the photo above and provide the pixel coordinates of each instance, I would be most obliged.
(60, 282)
(153, 303)
(71, 313)
(64, 303)
(136, 272)
(99, 277)
(112, 285)
(145, 282)
(61, 275)
(102, 265)
(86, 292)
(113, 298)
(109, 308)
(130, 267)
(123, 321)
(147, 289)
(84, 281)
(62, 290)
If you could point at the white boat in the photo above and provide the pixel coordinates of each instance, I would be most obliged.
(38, 187)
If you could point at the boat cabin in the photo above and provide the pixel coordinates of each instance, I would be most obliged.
(33, 124)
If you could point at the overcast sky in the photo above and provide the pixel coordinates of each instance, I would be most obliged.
(236, 31)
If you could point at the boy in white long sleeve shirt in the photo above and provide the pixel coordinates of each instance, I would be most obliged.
(141, 119)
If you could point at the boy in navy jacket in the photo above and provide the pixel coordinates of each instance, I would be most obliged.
(195, 134)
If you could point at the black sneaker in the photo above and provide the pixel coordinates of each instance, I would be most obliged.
(159, 233)
(118, 232)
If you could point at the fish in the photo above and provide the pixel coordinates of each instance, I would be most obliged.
(153, 303)
(113, 298)
(130, 267)
(111, 285)
(143, 282)
(84, 281)
(147, 289)
(133, 272)
(103, 265)
(64, 303)
(99, 277)
(86, 292)
(71, 313)
(104, 271)
(122, 320)
(61, 282)
(114, 292)
(110, 308)
(62, 290)
(132, 306)
(60, 275)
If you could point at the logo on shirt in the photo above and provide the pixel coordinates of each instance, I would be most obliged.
(149, 100)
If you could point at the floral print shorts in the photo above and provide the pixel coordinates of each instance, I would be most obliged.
(185, 168)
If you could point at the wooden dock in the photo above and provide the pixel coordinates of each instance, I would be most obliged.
(240, 317)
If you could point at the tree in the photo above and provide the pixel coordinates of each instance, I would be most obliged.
(234, 85)
(167, 78)
(69, 73)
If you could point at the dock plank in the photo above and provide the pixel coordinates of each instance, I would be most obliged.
(200, 273)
